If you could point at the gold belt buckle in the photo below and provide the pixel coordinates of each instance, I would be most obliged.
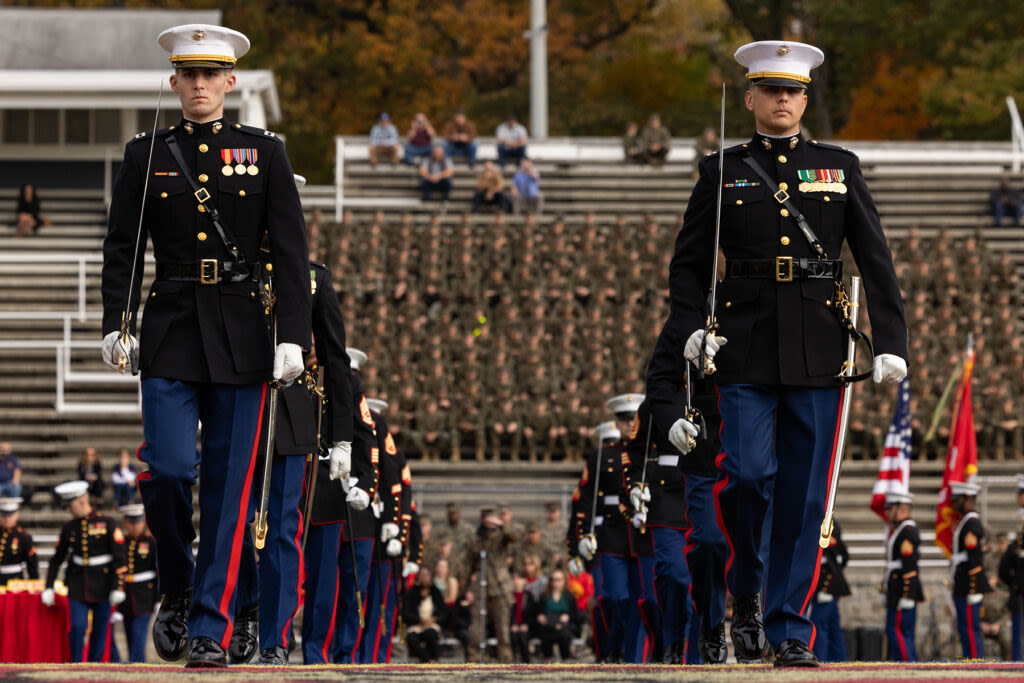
(783, 268)
(202, 195)
(208, 266)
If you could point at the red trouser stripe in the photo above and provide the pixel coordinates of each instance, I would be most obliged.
(899, 635)
(300, 574)
(240, 529)
(334, 607)
(970, 630)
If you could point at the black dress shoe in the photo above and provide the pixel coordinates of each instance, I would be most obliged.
(794, 653)
(170, 628)
(204, 653)
(245, 635)
(274, 656)
(673, 654)
(713, 649)
(748, 639)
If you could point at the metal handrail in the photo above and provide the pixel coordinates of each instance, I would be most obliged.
(1016, 133)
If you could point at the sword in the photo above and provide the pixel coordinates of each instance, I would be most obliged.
(647, 451)
(313, 460)
(261, 515)
(708, 365)
(693, 414)
(355, 564)
(849, 367)
(597, 480)
(132, 359)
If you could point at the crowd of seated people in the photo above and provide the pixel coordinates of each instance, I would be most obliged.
(501, 337)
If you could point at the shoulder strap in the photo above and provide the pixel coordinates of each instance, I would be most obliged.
(782, 197)
(202, 195)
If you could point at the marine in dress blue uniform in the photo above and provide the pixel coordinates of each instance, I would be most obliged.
(903, 583)
(18, 556)
(967, 568)
(93, 546)
(271, 589)
(1011, 573)
(610, 559)
(206, 351)
(141, 581)
(777, 309)
(830, 643)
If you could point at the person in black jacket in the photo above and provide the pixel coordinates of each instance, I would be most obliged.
(204, 192)
(555, 615)
(27, 212)
(17, 549)
(1011, 573)
(141, 585)
(424, 611)
(829, 641)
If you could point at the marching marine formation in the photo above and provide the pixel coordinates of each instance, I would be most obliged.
(93, 546)
(205, 192)
(18, 557)
(903, 583)
(787, 206)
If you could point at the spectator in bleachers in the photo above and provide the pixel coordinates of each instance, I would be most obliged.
(523, 607)
(384, 142)
(29, 220)
(123, 478)
(1006, 202)
(631, 145)
(490, 189)
(531, 546)
(460, 138)
(90, 470)
(511, 138)
(419, 139)
(436, 174)
(425, 610)
(558, 618)
(707, 143)
(655, 141)
(445, 582)
(526, 188)
(10, 472)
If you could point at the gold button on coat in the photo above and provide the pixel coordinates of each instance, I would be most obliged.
(203, 177)
(201, 236)
(163, 195)
(782, 158)
(728, 304)
(784, 240)
(241, 193)
(825, 198)
(738, 202)
(784, 213)
(202, 209)
(204, 148)
(783, 186)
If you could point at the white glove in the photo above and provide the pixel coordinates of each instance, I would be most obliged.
(287, 362)
(696, 340)
(117, 617)
(341, 459)
(393, 548)
(117, 597)
(975, 598)
(889, 368)
(409, 569)
(47, 597)
(639, 519)
(358, 498)
(575, 566)
(906, 603)
(388, 531)
(639, 497)
(587, 547)
(681, 429)
(113, 348)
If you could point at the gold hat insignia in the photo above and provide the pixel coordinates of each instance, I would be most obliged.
(783, 50)
(199, 34)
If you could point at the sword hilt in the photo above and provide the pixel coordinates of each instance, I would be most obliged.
(826, 532)
(709, 366)
(359, 606)
(261, 530)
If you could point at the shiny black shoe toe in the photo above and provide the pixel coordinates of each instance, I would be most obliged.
(245, 635)
(170, 628)
(748, 640)
(274, 656)
(793, 653)
(674, 654)
(204, 653)
(712, 645)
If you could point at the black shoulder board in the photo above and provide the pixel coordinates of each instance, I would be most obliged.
(146, 134)
(268, 134)
(837, 148)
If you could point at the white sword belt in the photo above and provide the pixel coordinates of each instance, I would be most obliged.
(94, 561)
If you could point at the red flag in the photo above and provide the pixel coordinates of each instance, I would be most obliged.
(961, 458)
(894, 467)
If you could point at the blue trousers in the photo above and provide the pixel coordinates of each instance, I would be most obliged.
(678, 613)
(829, 641)
(968, 624)
(348, 633)
(613, 600)
(781, 436)
(375, 644)
(136, 630)
(80, 623)
(1017, 635)
(232, 419)
(322, 586)
(275, 581)
(643, 616)
(899, 631)
(705, 551)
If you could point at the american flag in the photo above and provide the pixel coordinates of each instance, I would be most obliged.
(894, 469)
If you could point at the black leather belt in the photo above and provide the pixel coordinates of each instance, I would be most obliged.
(785, 269)
(209, 271)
